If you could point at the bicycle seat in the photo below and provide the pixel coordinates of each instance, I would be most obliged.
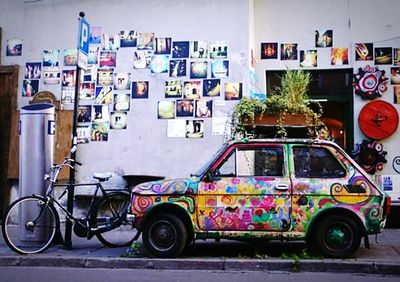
(102, 176)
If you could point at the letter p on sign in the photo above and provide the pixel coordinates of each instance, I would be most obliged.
(83, 42)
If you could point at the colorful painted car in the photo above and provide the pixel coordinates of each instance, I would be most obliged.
(286, 189)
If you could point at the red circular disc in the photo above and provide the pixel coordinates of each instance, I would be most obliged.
(378, 120)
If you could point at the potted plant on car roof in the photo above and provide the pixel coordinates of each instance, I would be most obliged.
(288, 105)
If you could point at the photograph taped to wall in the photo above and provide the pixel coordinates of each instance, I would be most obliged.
(67, 94)
(119, 120)
(70, 57)
(87, 90)
(395, 76)
(30, 87)
(93, 55)
(142, 59)
(121, 102)
(203, 108)
(396, 56)
(198, 49)
(14, 47)
(33, 70)
(100, 131)
(220, 126)
(308, 58)
(159, 64)
(396, 94)
(128, 38)
(339, 56)
(198, 69)
(176, 128)
(51, 58)
(180, 49)
(177, 68)
(122, 81)
(166, 109)
(108, 59)
(145, 41)
(84, 113)
(68, 78)
(383, 55)
(163, 45)
(51, 75)
(211, 87)
(105, 77)
(83, 134)
(95, 35)
(184, 108)
(289, 52)
(89, 75)
(218, 50)
(323, 38)
(221, 109)
(104, 95)
(192, 89)
(364, 51)
(140, 89)
(233, 91)
(110, 42)
(269, 50)
(194, 128)
(100, 113)
(220, 68)
(173, 89)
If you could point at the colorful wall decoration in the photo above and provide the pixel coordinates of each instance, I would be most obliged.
(370, 82)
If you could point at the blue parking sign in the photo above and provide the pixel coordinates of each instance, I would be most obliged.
(83, 40)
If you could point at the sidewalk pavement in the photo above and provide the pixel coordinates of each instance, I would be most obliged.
(382, 258)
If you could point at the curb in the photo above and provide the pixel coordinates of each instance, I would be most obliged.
(289, 265)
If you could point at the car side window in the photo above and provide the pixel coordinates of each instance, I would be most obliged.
(228, 166)
(267, 161)
(316, 162)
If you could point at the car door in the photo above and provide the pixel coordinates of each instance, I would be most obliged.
(249, 189)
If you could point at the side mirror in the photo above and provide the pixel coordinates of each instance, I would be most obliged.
(209, 177)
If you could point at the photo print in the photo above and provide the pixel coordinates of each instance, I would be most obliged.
(324, 38)
(121, 102)
(110, 42)
(184, 108)
(194, 128)
(14, 47)
(140, 89)
(177, 68)
(95, 35)
(51, 58)
(163, 45)
(159, 64)
(99, 131)
(269, 50)
(198, 69)
(218, 50)
(51, 75)
(142, 59)
(100, 113)
(396, 94)
(289, 51)
(180, 49)
(70, 57)
(395, 76)
(119, 120)
(192, 89)
(104, 95)
(145, 41)
(383, 55)
(220, 68)
(339, 56)
(89, 75)
(176, 128)
(203, 108)
(68, 78)
(198, 49)
(83, 133)
(166, 109)
(211, 87)
(173, 89)
(30, 87)
(67, 94)
(128, 38)
(33, 70)
(84, 113)
(364, 51)
(308, 58)
(221, 126)
(396, 56)
(93, 55)
(87, 90)
(122, 81)
(233, 91)
(105, 77)
(221, 109)
(108, 59)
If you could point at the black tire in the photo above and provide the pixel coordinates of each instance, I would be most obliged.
(111, 210)
(164, 235)
(337, 236)
(29, 225)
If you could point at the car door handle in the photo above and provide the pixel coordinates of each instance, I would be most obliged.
(282, 187)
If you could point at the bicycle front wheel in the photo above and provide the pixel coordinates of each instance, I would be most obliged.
(29, 225)
(109, 218)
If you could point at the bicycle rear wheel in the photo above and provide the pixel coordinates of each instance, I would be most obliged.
(29, 225)
(109, 215)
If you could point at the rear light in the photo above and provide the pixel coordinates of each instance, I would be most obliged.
(388, 202)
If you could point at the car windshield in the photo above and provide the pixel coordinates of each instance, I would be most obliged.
(203, 169)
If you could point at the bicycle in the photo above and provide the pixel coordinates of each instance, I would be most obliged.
(32, 223)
